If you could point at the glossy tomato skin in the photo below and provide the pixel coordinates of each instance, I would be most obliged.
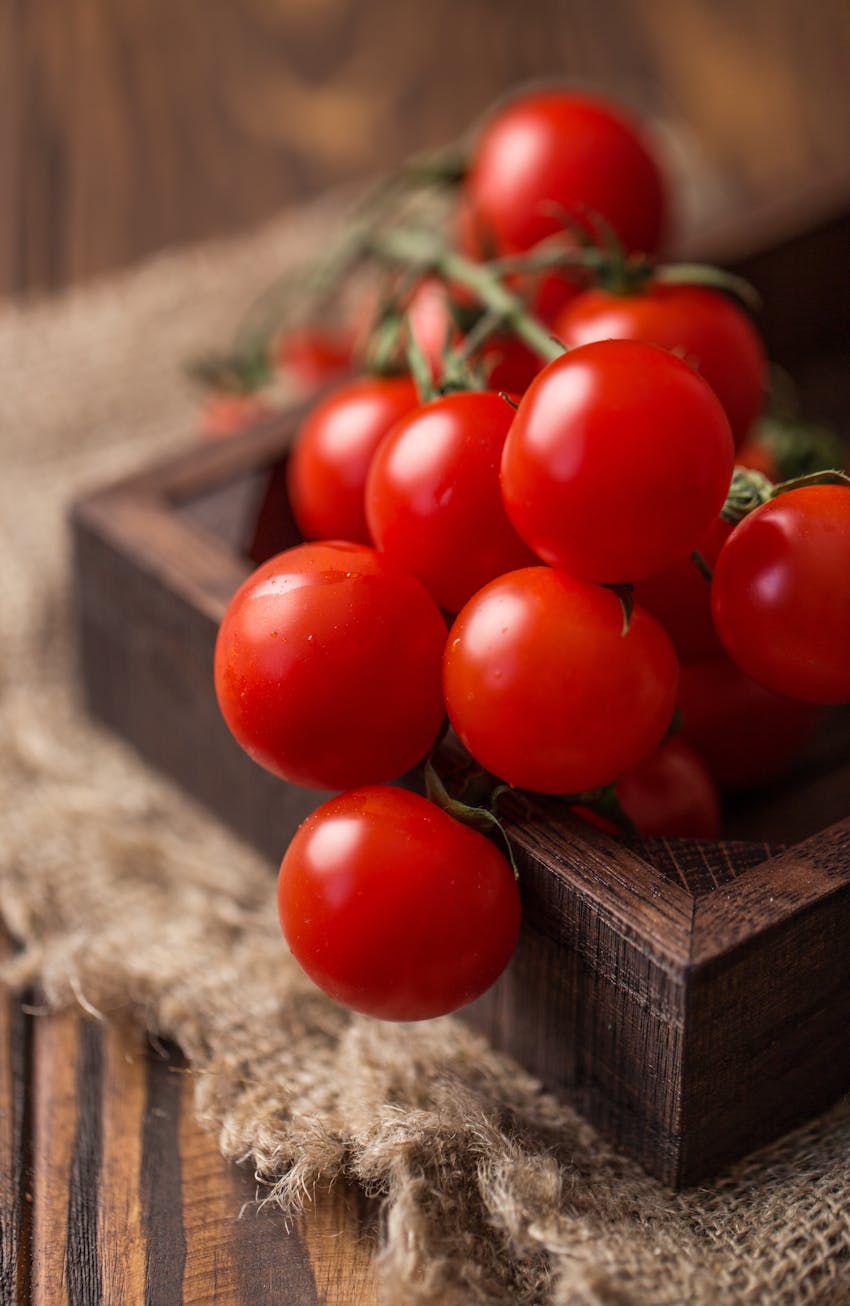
(705, 327)
(669, 795)
(745, 734)
(781, 594)
(680, 598)
(433, 502)
(545, 691)
(327, 667)
(618, 461)
(394, 908)
(326, 473)
(554, 154)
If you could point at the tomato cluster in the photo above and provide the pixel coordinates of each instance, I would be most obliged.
(531, 568)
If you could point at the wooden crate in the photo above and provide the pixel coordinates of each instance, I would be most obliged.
(693, 999)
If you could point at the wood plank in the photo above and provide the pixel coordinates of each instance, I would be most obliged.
(56, 1165)
(15, 1187)
(122, 1243)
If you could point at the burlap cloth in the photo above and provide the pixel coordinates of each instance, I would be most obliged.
(125, 895)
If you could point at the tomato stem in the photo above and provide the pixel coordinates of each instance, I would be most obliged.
(411, 247)
(480, 817)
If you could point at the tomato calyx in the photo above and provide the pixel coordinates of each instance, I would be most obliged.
(479, 814)
(751, 489)
(625, 595)
(606, 803)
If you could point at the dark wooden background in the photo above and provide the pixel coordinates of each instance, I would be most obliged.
(126, 125)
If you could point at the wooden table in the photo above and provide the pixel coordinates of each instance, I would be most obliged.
(110, 1191)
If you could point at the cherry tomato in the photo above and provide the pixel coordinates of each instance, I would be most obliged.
(432, 498)
(745, 734)
(327, 667)
(394, 908)
(705, 327)
(670, 795)
(544, 689)
(508, 364)
(227, 413)
(680, 598)
(431, 321)
(553, 155)
(326, 473)
(312, 355)
(781, 594)
(618, 461)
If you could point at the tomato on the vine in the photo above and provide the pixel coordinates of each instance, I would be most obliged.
(781, 594)
(679, 597)
(670, 794)
(327, 667)
(229, 412)
(618, 461)
(313, 355)
(394, 908)
(556, 156)
(330, 460)
(707, 328)
(432, 498)
(745, 734)
(546, 691)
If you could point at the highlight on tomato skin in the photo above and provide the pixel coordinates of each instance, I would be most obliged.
(780, 595)
(545, 690)
(327, 667)
(394, 908)
(618, 461)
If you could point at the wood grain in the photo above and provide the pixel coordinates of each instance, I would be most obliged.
(131, 1200)
(131, 126)
(15, 1114)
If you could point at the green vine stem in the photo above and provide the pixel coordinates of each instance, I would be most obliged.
(480, 817)
(411, 247)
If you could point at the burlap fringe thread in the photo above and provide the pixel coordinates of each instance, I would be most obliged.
(126, 897)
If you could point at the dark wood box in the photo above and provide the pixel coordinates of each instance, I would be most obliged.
(692, 999)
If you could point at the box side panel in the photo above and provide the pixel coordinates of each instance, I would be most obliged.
(767, 1035)
(587, 1007)
(146, 657)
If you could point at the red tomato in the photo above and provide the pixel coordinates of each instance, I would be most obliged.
(545, 691)
(554, 154)
(618, 461)
(312, 355)
(432, 498)
(394, 908)
(781, 594)
(431, 321)
(508, 364)
(669, 795)
(706, 327)
(327, 667)
(680, 598)
(327, 469)
(745, 734)
(227, 413)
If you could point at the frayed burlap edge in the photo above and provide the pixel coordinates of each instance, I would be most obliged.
(127, 899)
